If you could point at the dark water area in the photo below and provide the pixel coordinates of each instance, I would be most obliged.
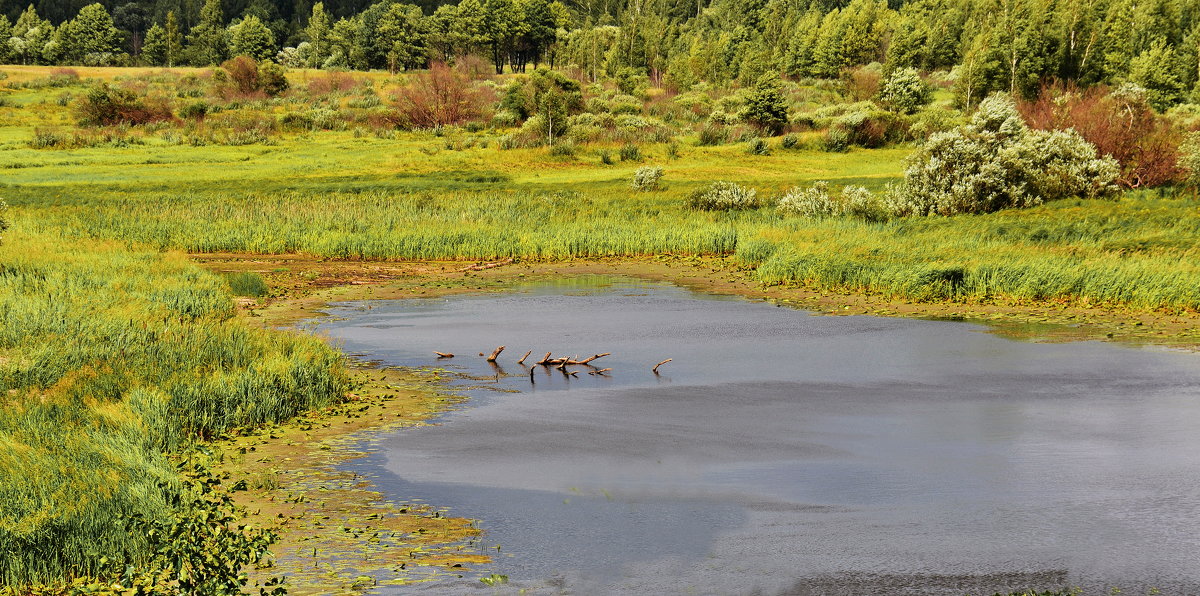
(786, 453)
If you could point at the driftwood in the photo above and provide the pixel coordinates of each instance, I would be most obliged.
(602, 372)
(545, 360)
(587, 360)
(495, 354)
(443, 354)
(483, 266)
(655, 369)
(522, 360)
(563, 365)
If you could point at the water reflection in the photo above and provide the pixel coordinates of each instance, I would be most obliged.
(783, 452)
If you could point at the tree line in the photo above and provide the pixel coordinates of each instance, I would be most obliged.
(985, 46)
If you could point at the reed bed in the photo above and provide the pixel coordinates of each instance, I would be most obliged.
(111, 359)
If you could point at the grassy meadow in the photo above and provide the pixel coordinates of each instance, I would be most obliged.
(117, 353)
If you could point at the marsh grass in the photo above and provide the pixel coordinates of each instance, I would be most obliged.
(110, 359)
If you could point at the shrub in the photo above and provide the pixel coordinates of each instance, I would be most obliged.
(1119, 123)
(836, 140)
(647, 178)
(862, 83)
(631, 152)
(997, 162)
(723, 196)
(673, 150)
(563, 148)
(758, 147)
(790, 141)
(108, 106)
(440, 97)
(194, 111)
(816, 201)
(4, 223)
(606, 157)
(904, 91)
(712, 134)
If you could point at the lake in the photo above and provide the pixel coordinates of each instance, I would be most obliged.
(786, 453)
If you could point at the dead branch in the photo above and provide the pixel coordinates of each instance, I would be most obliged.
(600, 372)
(482, 266)
(522, 360)
(443, 354)
(545, 360)
(655, 369)
(495, 353)
(596, 357)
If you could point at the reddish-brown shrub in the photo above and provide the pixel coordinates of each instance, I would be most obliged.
(440, 97)
(862, 83)
(1123, 126)
(332, 81)
(104, 105)
(243, 75)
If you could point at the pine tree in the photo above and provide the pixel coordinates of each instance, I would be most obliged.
(154, 48)
(6, 51)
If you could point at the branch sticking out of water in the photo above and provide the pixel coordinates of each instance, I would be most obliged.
(522, 360)
(655, 369)
(443, 354)
(495, 354)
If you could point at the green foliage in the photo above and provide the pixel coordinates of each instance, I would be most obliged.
(252, 38)
(767, 107)
(1152, 70)
(647, 178)
(630, 152)
(790, 141)
(996, 162)
(904, 91)
(723, 196)
(758, 146)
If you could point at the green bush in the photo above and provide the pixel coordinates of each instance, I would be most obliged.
(631, 152)
(903, 91)
(790, 141)
(712, 134)
(647, 178)
(997, 162)
(723, 196)
(758, 147)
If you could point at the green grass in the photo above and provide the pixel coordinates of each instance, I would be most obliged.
(116, 352)
(110, 359)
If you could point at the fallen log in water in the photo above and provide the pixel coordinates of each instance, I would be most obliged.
(545, 360)
(655, 369)
(602, 372)
(443, 354)
(495, 354)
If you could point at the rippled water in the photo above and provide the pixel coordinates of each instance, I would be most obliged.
(785, 453)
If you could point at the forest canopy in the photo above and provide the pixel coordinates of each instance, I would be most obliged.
(984, 46)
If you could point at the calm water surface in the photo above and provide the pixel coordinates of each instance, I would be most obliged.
(785, 453)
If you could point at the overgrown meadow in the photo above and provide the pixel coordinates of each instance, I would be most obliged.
(117, 354)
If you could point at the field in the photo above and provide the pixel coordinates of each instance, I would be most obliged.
(117, 352)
